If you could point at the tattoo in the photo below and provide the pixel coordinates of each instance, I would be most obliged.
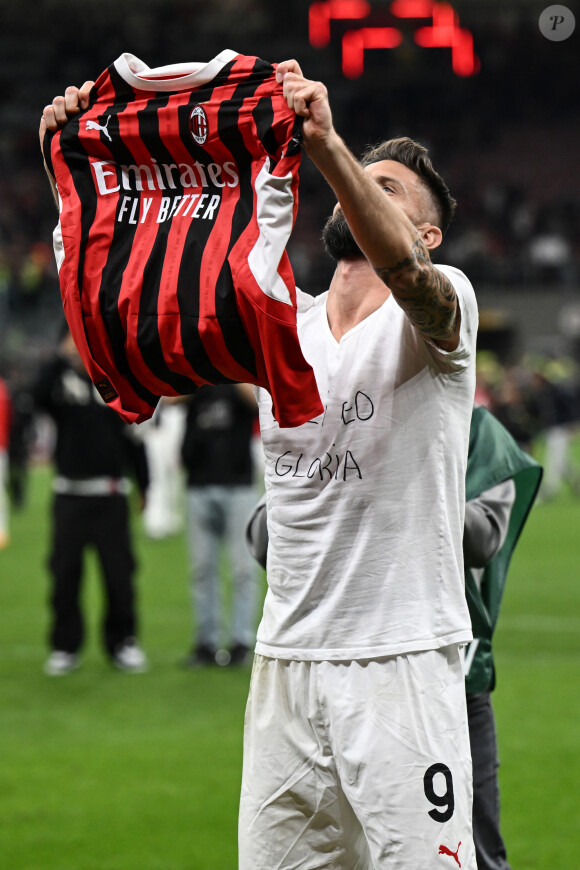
(426, 295)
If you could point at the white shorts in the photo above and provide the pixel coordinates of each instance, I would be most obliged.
(361, 765)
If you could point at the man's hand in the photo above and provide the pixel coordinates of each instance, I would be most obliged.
(310, 101)
(63, 108)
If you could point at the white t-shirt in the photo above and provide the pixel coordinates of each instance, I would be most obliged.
(366, 502)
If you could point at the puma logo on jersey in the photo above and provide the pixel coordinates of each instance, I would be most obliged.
(93, 125)
(443, 850)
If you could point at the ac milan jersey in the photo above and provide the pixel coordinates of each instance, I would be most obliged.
(178, 190)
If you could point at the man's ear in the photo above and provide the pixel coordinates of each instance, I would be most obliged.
(432, 236)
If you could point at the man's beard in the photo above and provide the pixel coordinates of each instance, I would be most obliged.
(338, 240)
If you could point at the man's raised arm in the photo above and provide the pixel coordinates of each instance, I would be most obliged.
(396, 249)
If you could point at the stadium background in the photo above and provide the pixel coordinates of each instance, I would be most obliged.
(101, 772)
(506, 138)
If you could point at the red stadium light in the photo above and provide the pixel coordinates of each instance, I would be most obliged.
(356, 42)
(443, 32)
(322, 13)
(446, 33)
(412, 8)
(464, 61)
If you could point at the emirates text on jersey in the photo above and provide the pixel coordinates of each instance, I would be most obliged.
(112, 178)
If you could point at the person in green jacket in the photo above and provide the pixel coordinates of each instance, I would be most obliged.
(502, 482)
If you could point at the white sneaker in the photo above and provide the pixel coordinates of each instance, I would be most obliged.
(130, 657)
(59, 663)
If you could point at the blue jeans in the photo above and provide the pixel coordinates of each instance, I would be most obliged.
(216, 516)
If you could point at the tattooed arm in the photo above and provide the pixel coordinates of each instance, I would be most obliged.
(426, 295)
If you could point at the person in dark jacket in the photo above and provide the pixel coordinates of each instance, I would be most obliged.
(92, 452)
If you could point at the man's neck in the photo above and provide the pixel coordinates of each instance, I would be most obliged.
(355, 292)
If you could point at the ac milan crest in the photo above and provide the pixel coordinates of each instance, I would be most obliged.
(198, 125)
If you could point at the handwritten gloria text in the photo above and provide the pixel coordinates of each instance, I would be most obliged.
(326, 466)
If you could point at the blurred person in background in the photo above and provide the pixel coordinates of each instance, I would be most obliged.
(550, 252)
(162, 436)
(21, 435)
(512, 407)
(5, 426)
(501, 484)
(557, 407)
(93, 449)
(218, 457)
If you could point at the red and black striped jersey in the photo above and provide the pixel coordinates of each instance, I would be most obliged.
(179, 191)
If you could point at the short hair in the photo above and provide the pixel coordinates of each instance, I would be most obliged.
(415, 156)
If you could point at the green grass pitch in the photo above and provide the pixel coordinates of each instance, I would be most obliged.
(107, 771)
